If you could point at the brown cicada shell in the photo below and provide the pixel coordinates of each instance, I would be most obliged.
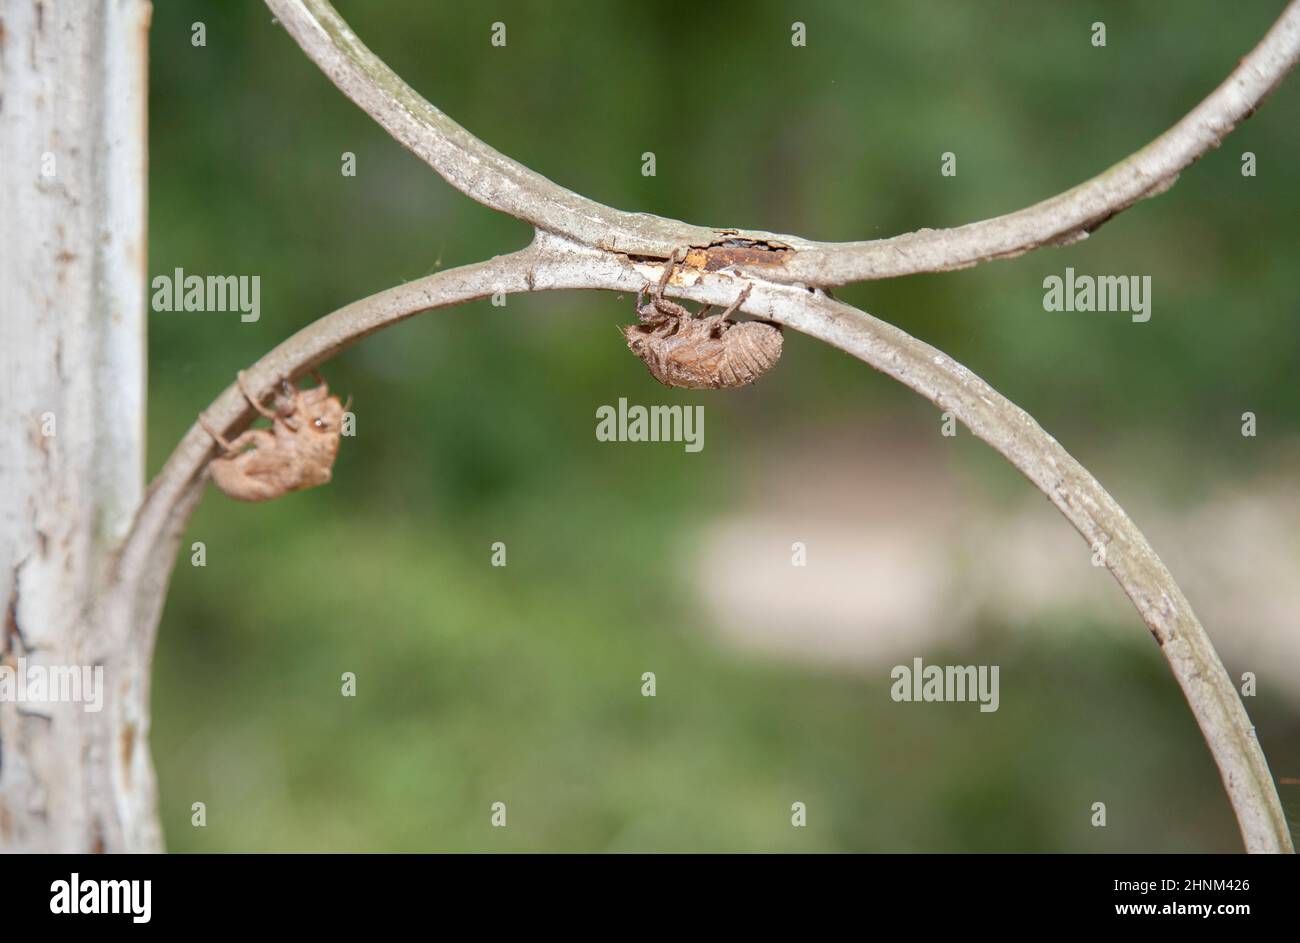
(697, 352)
(297, 452)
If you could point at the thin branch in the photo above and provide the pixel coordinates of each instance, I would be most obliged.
(174, 492)
(468, 164)
(496, 181)
(1070, 217)
(1095, 515)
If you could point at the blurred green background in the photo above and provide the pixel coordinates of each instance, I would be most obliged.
(522, 684)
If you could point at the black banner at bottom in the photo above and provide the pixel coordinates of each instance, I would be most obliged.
(214, 892)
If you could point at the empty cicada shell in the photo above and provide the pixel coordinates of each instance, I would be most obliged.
(697, 352)
(297, 452)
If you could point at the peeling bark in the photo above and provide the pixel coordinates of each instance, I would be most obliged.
(73, 82)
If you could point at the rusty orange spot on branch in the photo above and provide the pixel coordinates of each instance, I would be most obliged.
(737, 252)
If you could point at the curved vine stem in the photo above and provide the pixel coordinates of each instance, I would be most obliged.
(495, 180)
(581, 244)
